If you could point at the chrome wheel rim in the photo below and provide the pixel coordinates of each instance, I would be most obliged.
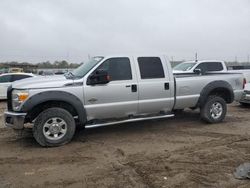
(54, 128)
(216, 110)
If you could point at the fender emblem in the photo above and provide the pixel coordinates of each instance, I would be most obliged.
(92, 100)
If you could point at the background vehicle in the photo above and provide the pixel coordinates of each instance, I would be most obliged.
(245, 72)
(204, 66)
(245, 100)
(7, 79)
(115, 89)
(46, 73)
(211, 66)
(15, 70)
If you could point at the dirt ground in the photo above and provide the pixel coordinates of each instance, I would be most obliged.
(177, 152)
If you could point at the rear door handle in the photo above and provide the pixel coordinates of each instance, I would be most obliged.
(166, 86)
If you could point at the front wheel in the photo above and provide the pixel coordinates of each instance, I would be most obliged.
(214, 110)
(54, 127)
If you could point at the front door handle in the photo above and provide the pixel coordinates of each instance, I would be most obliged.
(133, 87)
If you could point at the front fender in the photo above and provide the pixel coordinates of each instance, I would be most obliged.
(63, 96)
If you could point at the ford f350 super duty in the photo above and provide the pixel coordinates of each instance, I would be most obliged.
(115, 89)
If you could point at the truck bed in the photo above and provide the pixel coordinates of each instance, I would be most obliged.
(189, 86)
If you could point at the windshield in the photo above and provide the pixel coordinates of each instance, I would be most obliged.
(84, 68)
(184, 66)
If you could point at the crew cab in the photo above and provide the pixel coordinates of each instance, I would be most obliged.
(112, 90)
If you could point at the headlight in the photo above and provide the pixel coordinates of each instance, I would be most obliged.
(18, 97)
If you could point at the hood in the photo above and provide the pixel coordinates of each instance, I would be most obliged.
(41, 82)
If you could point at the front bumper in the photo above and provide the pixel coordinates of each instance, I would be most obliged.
(14, 120)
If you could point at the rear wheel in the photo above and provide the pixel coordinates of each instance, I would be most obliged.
(54, 127)
(214, 110)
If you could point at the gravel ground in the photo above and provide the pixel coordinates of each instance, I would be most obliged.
(177, 152)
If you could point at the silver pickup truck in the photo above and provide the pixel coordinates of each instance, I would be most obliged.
(115, 89)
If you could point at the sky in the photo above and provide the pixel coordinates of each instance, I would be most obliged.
(72, 30)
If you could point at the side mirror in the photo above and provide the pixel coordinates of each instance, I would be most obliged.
(197, 71)
(99, 77)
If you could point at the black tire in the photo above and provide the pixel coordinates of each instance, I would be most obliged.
(210, 117)
(44, 117)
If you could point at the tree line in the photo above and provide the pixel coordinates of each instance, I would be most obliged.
(44, 65)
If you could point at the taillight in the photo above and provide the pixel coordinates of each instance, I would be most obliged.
(244, 83)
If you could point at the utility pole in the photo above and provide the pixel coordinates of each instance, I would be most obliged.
(248, 59)
(236, 59)
(196, 56)
(67, 59)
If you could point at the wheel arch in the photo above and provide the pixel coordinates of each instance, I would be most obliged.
(41, 101)
(218, 88)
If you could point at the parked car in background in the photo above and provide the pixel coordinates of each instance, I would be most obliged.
(246, 95)
(6, 80)
(46, 73)
(59, 72)
(15, 70)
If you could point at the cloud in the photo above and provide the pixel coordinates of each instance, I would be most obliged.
(60, 29)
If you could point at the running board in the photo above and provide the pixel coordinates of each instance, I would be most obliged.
(127, 121)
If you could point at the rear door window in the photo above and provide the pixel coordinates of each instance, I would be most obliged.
(150, 67)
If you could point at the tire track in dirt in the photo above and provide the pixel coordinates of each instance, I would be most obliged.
(43, 160)
(202, 171)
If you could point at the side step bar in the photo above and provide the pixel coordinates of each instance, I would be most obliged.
(127, 121)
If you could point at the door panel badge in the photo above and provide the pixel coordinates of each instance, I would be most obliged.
(92, 100)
